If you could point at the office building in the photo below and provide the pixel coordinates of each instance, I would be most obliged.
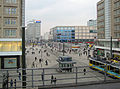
(33, 31)
(74, 34)
(12, 19)
(108, 25)
(63, 33)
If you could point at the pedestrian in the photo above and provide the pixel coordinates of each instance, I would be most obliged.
(42, 76)
(11, 83)
(40, 60)
(84, 70)
(46, 62)
(19, 76)
(35, 58)
(15, 83)
(52, 79)
(79, 54)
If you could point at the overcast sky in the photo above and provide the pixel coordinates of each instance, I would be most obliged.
(60, 12)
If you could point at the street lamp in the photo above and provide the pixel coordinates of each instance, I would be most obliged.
(111, 47)
(23, 58)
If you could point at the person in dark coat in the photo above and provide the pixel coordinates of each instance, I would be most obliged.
(52, 79)
(42, 76)
(11, 83)
(84, 70)
(15, 83)
(19, 76)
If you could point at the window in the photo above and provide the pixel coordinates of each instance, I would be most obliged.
(10, 10)
(11, 1)
(10, 32)
(10, 21)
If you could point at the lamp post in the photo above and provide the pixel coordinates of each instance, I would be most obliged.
(111, 47)
(23, 59)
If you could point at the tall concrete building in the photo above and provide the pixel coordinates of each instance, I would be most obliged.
(33, 31)
(108, 25)
(12, 19)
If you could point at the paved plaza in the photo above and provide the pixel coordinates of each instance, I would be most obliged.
(36, 58)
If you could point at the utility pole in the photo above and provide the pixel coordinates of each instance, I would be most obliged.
(111, 47)
(23, 59)
(63, 49)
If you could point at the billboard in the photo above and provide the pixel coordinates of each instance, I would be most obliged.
(10, 62)
(38, 21)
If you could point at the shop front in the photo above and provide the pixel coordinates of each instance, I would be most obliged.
(10, 53)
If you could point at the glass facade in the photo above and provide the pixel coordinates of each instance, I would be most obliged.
(65, 34)
(10, 46)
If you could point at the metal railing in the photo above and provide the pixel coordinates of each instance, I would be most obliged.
(42, 77)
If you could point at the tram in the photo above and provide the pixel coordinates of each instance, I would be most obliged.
(112, 69)
(65, 63)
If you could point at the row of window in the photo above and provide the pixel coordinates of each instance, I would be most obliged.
(10, 10)
(10, 32)
(10, 21)
(100, 18)
(101, 5)
(117, 35)
(117, 19)
(61, 28)
(101, 35)
(116, 12)
(100, 12)
(85, 36)
(10, 46)
(117, 4)
(64, 38)
(117, 27)
(10, 1)
(65, 30)
(101, 24)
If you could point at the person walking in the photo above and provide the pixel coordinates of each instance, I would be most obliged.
(46, 62)
(52, 79)
(15, 83)
(11, 83)
(35, 58)
(42, 76)
(19, 76)
(40, 60)
(84, 70)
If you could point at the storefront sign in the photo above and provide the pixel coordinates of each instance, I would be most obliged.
(10, 62)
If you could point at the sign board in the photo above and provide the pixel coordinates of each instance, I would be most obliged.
(10, 62)
(38, 21)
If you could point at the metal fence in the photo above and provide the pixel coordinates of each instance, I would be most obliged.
(52, 77)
